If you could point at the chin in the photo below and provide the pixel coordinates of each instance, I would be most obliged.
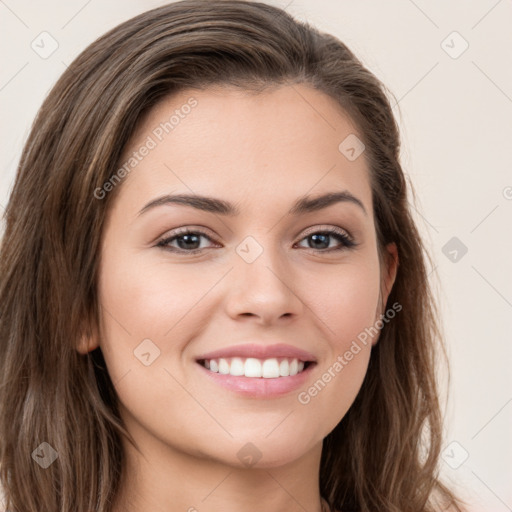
(264, 453)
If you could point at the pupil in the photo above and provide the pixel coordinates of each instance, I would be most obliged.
(187, 241)
(315, 238)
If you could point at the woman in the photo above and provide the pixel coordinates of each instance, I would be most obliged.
(285, 363)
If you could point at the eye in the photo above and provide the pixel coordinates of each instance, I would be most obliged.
(188, 240)
(322, 237)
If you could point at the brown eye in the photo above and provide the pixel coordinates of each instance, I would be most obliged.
(188, 241)
(320, 240)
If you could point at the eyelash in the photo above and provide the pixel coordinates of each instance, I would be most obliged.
(347, 241)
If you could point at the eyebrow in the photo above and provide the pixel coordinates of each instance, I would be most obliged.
(302, 206)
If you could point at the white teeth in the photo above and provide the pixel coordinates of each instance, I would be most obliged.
(252, 367)
(268, 368)
(294, 367)
(223, 366)
(237, 367)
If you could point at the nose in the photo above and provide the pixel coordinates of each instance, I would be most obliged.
(262, 288)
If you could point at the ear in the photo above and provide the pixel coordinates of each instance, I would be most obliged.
(388, 276)
(89, 340)
(389, 272)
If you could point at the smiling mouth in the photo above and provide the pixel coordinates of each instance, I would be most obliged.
(271, 368)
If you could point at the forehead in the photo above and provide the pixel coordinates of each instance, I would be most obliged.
(286, 141)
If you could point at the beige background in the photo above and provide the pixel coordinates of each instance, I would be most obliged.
(455, 112)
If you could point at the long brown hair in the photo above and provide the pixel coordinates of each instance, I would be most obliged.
(378, 457)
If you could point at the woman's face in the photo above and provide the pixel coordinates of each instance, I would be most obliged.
(266, 275)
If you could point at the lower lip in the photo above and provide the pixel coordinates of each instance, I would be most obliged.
(260, 387)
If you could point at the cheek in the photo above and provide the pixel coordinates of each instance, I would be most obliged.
(148, 300)
(142, 308)
(137, 304)
(346, 300)
(347, 307)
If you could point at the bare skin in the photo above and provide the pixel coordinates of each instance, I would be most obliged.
(262, 153)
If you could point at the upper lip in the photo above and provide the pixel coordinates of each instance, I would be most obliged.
(260, 352)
